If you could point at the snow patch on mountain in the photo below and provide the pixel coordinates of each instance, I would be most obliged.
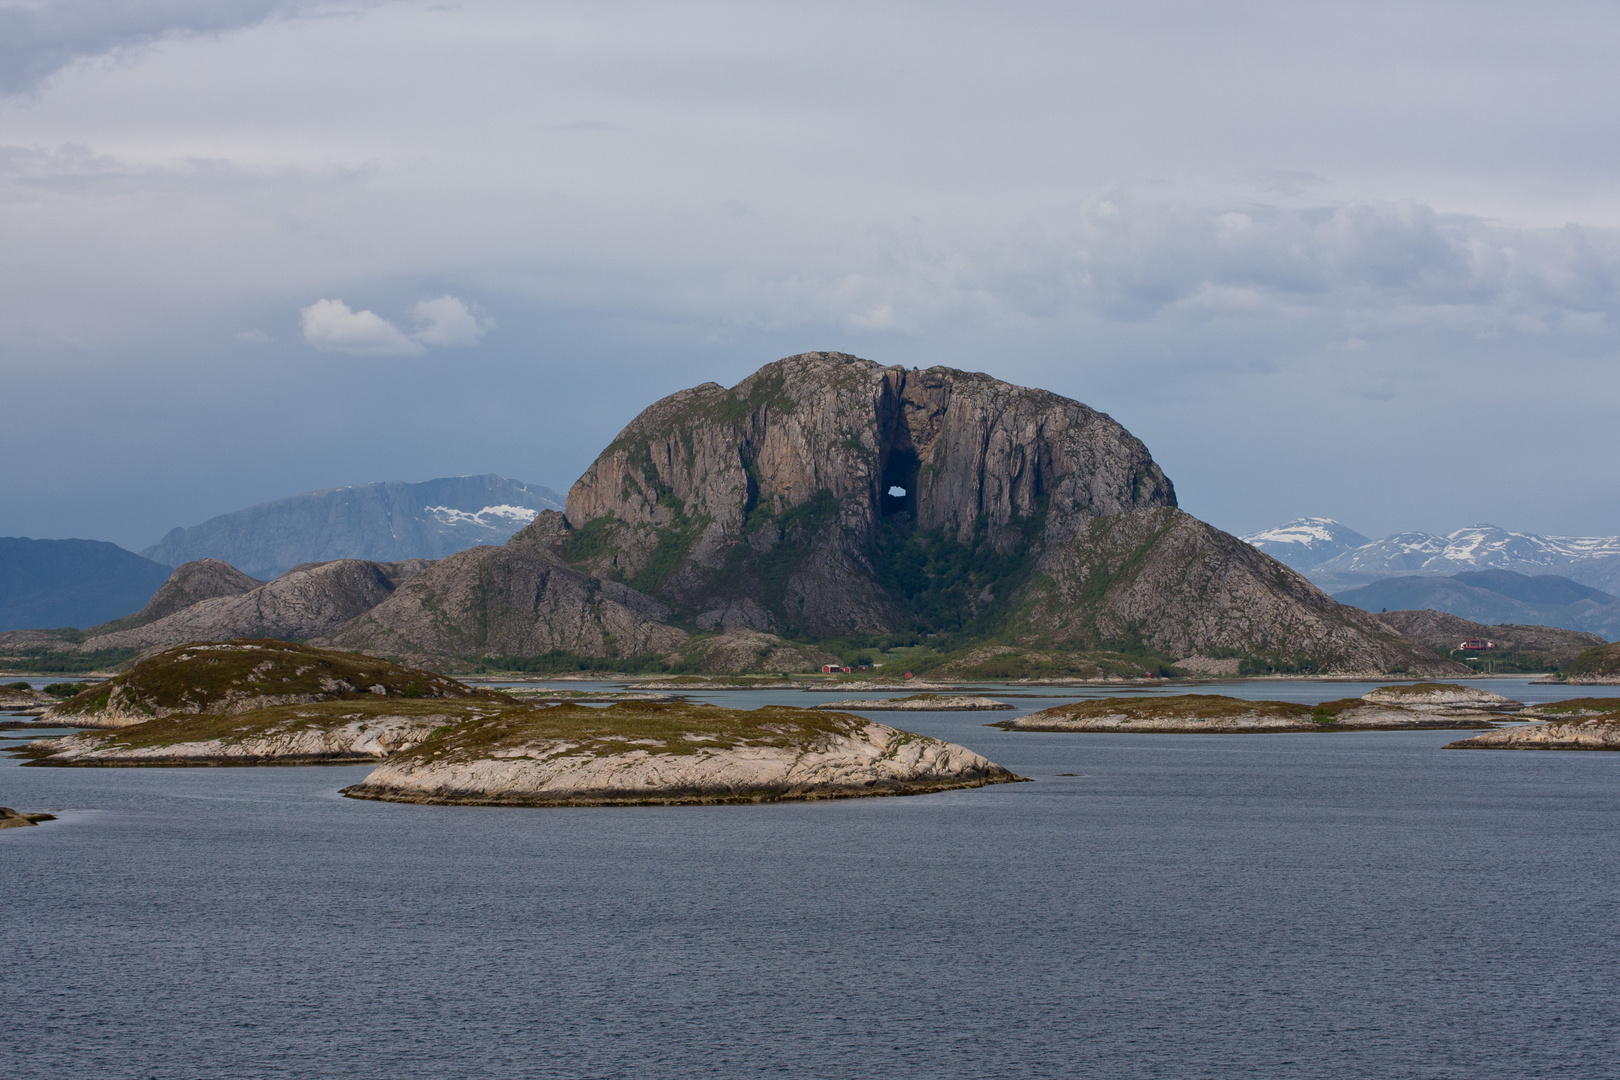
(1307, 542)
(504, 518)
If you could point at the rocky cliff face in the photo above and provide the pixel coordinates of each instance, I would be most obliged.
(778, 505)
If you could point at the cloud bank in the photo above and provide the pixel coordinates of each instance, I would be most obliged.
(1304, 251)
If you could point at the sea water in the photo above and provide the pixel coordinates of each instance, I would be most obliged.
(1300, 905)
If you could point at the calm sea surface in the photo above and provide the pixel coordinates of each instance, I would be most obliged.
(1345, 905)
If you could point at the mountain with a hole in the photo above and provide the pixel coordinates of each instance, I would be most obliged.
(830, 503)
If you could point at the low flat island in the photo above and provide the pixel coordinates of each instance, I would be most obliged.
(638, 753)
(1424, 705)
(920, 703)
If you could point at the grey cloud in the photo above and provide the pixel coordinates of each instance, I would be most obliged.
(39, 38)
(1119, 259)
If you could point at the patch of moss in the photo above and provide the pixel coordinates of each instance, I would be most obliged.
(591, 539)
(674, 543)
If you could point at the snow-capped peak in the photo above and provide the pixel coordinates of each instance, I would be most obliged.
(1307, 542)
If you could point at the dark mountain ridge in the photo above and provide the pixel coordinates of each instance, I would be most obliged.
(71, 582)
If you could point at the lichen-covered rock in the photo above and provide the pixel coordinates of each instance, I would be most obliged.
(666, 754)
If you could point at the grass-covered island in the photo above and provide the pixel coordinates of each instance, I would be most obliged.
(1425, 705)
(1577, 724)
(440, 741)
(920, 703)
(639, 753)
(231, 677)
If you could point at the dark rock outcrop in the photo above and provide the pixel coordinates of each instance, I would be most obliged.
(769, 506)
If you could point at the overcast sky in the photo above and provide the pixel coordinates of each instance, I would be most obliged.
(1359, 260)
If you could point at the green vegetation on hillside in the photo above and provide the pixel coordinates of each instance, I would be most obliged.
(205, 678)
(1600, 662)
(948, 586)
(678, 728)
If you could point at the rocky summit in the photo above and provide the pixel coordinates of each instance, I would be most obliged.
(829, 497)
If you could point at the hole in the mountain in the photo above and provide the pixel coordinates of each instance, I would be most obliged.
(899, 485)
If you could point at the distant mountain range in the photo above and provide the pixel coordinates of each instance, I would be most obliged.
(53, 583)
(1337, 557)
(85, 583)
(383, 522)
(1496, 596)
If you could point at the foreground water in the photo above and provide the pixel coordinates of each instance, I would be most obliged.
(1346, 905)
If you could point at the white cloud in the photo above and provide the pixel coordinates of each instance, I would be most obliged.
(448, 321)
(330, 325)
